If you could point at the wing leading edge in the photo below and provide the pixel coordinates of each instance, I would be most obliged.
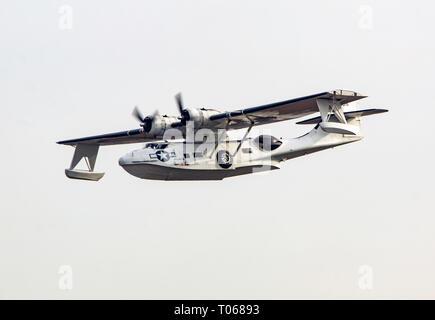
(122, 137)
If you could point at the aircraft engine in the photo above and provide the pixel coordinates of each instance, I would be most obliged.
(157, 125)
(200, 117)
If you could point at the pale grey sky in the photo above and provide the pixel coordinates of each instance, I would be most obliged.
(276, 235)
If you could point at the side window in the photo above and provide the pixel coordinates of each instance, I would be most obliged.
(267, 143)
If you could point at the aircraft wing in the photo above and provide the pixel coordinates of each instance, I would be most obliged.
(280, 111)
(130, 136)
(242, 118)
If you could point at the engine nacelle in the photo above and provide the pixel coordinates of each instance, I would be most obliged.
(200, 117)
(159, 125)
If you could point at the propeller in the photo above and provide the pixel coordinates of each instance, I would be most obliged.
(145, 122)
(179, 100)
(148, 121)
(137, 114)
(184, 113)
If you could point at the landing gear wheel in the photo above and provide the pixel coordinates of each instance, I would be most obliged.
(224, 159)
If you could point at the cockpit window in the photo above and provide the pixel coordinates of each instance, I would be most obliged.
(151, 146)
(156, 145)
(267, 143)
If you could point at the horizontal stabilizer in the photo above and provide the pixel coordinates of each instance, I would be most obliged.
(349, 114)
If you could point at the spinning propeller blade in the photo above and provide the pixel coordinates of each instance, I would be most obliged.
(145, 122)
(179, 100)
(185, 116)
(138, 115)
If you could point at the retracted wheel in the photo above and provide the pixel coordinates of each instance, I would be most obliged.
(224, 159)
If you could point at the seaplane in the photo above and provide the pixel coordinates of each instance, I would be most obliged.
(195, 145)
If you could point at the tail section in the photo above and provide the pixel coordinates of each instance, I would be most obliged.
(348, 115)
(332, 129)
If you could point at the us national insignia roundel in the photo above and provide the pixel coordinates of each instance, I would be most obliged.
(163, 155)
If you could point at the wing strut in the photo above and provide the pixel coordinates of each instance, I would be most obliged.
(245, 135)
(89, 152)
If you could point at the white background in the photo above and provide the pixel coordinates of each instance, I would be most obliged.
(299, 232)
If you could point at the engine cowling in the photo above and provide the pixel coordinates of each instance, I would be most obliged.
(158, 124)
(200, 117)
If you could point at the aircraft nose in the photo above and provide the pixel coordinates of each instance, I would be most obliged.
(122, 161)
